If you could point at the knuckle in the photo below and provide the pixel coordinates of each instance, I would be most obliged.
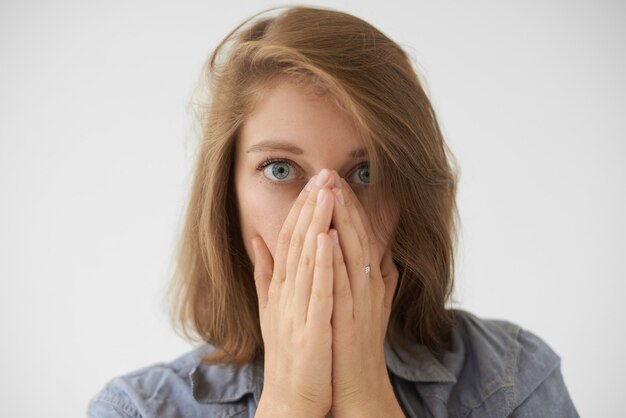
(321, 295)
(311, 200)
(306, 263)
(344, 220)
(299, 203)
(296, 241)
(363, 237)
(284, 237)
(359, 260)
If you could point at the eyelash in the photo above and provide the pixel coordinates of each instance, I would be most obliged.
(272, 160)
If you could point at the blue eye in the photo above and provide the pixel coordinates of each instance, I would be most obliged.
(277, 170)
(361, 175)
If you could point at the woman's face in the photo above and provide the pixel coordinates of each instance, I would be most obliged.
(290, 136)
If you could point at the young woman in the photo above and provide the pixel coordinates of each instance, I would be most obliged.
(317, 254)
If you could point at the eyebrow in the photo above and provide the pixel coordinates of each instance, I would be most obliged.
(359, 153)
(274, 145)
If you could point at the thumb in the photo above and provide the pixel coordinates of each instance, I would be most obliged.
(263, 269)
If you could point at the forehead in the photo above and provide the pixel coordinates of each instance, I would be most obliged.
(295, 113)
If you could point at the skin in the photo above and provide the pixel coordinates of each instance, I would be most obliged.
(322, 317)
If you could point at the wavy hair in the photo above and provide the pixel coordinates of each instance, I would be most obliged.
(370, 77)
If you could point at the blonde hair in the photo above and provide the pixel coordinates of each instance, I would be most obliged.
(370, 77)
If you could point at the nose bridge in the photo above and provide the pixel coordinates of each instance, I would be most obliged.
(332, 168)
(329, 155)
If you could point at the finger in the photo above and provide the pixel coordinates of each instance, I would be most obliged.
(352, 249)
(320, 307)
(320, 223)
(343, 314)
(302, 223)
(350, 201)
(390, 279)
(286, 231)
(363, 221)
(263, 268)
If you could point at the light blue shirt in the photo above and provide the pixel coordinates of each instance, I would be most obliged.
(494, 369)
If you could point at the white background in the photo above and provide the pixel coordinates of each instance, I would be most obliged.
(95, 159)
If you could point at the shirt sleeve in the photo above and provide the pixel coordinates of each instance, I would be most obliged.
(539, 385)
(549, 399)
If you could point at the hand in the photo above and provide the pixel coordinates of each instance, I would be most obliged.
(361, 309)
(295, 293)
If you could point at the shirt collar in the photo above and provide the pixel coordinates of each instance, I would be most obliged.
(416, 363)
(220, 383)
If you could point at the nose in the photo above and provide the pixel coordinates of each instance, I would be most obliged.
(328, 177)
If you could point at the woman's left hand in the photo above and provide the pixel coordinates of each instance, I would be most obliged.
(361, 309)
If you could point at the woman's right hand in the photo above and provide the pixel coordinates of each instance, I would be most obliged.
(295, 293)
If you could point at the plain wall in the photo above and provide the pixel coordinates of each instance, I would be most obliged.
(96, 157)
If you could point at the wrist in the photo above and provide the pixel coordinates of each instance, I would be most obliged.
(389, 409)
(279, 407)
(381, 404)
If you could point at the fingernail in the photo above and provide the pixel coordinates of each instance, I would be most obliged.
(320, 196)
(319, 240)
(322, 178)
(333, 235)
(309, 185)
(339, 195)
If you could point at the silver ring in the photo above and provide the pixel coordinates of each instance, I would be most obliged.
(367, 269)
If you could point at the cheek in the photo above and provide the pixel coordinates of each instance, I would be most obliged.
(262, 212)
